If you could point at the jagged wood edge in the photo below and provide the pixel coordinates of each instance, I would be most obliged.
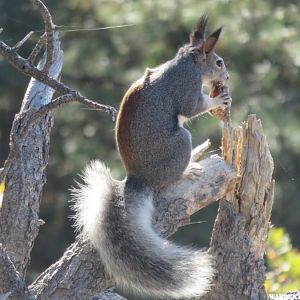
(243, 221)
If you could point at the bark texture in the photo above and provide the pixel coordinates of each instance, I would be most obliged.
(243, 221)
(12, 285)
(25, 176)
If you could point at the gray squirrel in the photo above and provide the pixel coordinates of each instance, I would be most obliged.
(116, 217)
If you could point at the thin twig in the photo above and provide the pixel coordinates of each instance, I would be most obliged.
(27, 68)
(49, 29)
(31, 118)
(18, 45)
(37, 48)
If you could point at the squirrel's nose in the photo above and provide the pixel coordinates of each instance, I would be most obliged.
(227, 77)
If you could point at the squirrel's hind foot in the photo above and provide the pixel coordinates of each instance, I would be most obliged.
(193, 171)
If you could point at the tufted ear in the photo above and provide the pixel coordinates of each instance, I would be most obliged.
(211, 41)
(198, 35)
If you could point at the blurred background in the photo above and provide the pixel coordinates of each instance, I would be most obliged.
(260, 44)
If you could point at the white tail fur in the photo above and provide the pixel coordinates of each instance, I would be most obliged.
(188, 272)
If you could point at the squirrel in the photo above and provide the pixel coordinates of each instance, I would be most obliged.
(115, 216)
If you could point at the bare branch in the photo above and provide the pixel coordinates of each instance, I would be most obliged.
(29, 118)
(199, 151)
(76, 97)
(23, 41)
(28, 157)
(37, 49)
(26, 67)
(179, 201)
(49, 30)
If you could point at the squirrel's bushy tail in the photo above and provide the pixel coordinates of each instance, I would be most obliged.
(135, 256)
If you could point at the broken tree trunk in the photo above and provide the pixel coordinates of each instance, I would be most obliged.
(243, 221)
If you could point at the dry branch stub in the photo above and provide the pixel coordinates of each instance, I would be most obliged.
(241, 228)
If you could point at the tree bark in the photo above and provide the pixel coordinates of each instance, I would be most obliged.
(243, 221)
(11, 284)
(25, 177)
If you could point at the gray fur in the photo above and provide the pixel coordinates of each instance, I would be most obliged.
(119, 227)
(116, 217)
(160, 145)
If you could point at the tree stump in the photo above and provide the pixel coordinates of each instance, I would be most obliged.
(243, 221)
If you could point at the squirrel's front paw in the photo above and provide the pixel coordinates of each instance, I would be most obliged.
(223, 100)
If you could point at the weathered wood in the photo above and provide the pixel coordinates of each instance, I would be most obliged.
(79, 274)
(25, 177)
(179, 201)
(243, 221)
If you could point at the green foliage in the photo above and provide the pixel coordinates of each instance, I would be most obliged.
(259, 43)
(283, 263)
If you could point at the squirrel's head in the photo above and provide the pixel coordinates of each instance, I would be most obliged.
(203, 48)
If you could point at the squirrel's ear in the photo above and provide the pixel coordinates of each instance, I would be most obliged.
(198, 35)
(211, 41)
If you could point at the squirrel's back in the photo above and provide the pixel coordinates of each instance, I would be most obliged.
(148, 119)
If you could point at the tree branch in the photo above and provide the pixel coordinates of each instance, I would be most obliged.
(49, 30)
(18, 45)
(37, 49)
(31, 116)
(26, 67)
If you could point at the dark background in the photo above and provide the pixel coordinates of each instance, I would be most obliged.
(260, 44)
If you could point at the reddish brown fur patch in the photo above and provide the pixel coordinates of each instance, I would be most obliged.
(125, 116)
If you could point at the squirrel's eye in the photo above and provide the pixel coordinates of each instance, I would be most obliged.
(219, 63)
